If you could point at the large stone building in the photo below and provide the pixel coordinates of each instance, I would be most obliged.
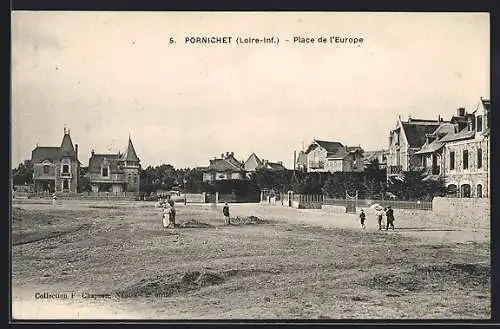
(325, 156)
(56, 168)
(115, 173)
(459, 152)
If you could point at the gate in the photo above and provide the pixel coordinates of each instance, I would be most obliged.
(351, 202)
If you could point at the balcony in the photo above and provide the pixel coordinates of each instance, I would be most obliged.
(66, 174)
(394, 170)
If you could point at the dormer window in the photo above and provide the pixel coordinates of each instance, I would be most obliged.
(65, 169)
(46, 169)
(105, 172)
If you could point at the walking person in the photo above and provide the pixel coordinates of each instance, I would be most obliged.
(225, 211)
(389, 215)
(362, 218)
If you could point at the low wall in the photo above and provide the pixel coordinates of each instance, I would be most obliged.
(334, 209)
(309, 205)
(194, 197)
(470, 212)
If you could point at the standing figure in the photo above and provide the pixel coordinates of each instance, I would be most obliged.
(225, 211)
(166, 215)
(171, 215)
(379, 219)
(389, 214)
(362, 217)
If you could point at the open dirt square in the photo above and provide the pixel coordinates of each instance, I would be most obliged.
(102, 260)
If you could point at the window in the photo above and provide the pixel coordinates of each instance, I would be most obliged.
(105, 172)
(479, 123)
(479, 191)
(135, 179)
(452, 160)
(465, 159)
(465, 191)
(479, 158)
(65, 184)
(488, 120)
(46, 169)
(65, 169)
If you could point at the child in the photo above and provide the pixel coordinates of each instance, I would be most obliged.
(362, 217)
(225, 211)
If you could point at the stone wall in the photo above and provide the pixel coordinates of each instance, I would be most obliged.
(469, 212)
(334, 209)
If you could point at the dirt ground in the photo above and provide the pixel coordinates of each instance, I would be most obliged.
(97, 260)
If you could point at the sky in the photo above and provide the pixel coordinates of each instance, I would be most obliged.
(108, 75)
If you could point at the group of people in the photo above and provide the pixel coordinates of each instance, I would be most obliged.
(389, 215)
(169, 213)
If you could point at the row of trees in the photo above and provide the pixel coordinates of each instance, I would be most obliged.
(372, 183)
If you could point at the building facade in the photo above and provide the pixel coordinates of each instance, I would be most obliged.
(459, 152)
(224, 168)
(253, 163)
(325, 156)
(115, 173)
(405, 140)
(56, 169)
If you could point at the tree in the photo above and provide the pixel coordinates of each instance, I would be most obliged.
(23, 174)
(413, 185)
(84, 180)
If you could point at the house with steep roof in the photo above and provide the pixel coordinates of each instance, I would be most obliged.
(327, 156)
(406, 139)
(115, 173)
(56, 168)
(227, 167)
(253, 163)
(459, 152)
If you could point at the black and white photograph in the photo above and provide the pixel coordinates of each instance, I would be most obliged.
(250, 165)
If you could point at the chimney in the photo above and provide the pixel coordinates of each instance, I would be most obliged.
(76, 150)
(461, 111)
(222, 155)
(232, 153)
(92, 152)
(280, 162)
(439, 118)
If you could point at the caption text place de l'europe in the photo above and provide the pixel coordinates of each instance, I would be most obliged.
(270, 39)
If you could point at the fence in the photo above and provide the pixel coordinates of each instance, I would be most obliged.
(365, 203)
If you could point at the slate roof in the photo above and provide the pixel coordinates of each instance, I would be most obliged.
(222, 165)
(275, 166)
(462, 134)
(54, 153)
(330, 147)
(130, 154)
(42, 153)
(96, 160)
(415, 131)
(253, 162)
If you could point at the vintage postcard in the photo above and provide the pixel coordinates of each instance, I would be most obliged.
(250, 165)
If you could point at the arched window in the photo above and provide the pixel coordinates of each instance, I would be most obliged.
(465, 189)
(479, 190)
(452, 190)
